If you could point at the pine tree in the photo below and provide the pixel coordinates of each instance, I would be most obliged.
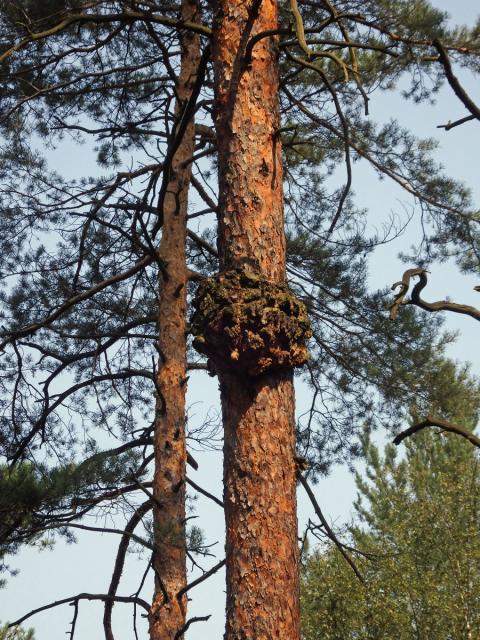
(262, 321)
(16, 634)
(82, 308)
(417, 530)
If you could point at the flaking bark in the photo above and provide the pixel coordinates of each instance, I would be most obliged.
(168, 612)
(258, 412)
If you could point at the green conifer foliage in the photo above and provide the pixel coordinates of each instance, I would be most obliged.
(79, 267)
(417, 526)
(17, 633)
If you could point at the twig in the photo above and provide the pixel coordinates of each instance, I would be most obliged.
(181, 632)
(201, 579)
(330, 533)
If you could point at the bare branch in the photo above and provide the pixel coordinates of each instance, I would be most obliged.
(119, 564)
(328, 530)
(443, 425)
(454, 82)
(82, 596)
(204, 492)
(181, 632)
(455, 123)
(84, 527)
(201, 579)
(202, 243)
(74, 619)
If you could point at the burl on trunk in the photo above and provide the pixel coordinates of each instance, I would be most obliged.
(253, 330)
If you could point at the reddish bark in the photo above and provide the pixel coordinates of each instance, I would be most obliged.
(250, 164)
(259, 468)
(168, 612)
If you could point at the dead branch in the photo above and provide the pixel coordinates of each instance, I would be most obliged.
(181, 632)
(84, 527)
(201, 579)
(77, 598)
(202, 243)
(204, 492)
(74, 619)
(441, 305)
(455, 123)
(328, 530)
(454, 82)
(443, 425)
(119, 564)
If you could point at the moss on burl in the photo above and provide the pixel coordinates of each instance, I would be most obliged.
(249, 325)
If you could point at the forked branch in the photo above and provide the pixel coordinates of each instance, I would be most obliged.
(83, 596)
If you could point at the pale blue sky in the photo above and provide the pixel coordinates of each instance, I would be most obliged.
(71, 569)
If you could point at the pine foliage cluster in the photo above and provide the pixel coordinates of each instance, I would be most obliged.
(417, 536)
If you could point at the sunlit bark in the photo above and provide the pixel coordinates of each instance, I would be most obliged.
(168, 613)
(258, 412)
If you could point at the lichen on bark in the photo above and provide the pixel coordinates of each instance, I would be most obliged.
(246, 324)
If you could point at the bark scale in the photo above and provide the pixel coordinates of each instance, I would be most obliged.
(258, 412)
(168, 612)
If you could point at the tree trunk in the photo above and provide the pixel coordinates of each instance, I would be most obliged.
(168, 613)
(258, 412)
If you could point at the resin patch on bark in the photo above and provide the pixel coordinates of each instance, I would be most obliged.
(249, 325)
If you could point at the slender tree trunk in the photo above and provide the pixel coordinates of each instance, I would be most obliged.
(168, 613)
(258, 412)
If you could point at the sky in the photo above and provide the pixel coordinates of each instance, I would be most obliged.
(69, 569)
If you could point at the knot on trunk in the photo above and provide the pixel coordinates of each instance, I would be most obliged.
(249, 325)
